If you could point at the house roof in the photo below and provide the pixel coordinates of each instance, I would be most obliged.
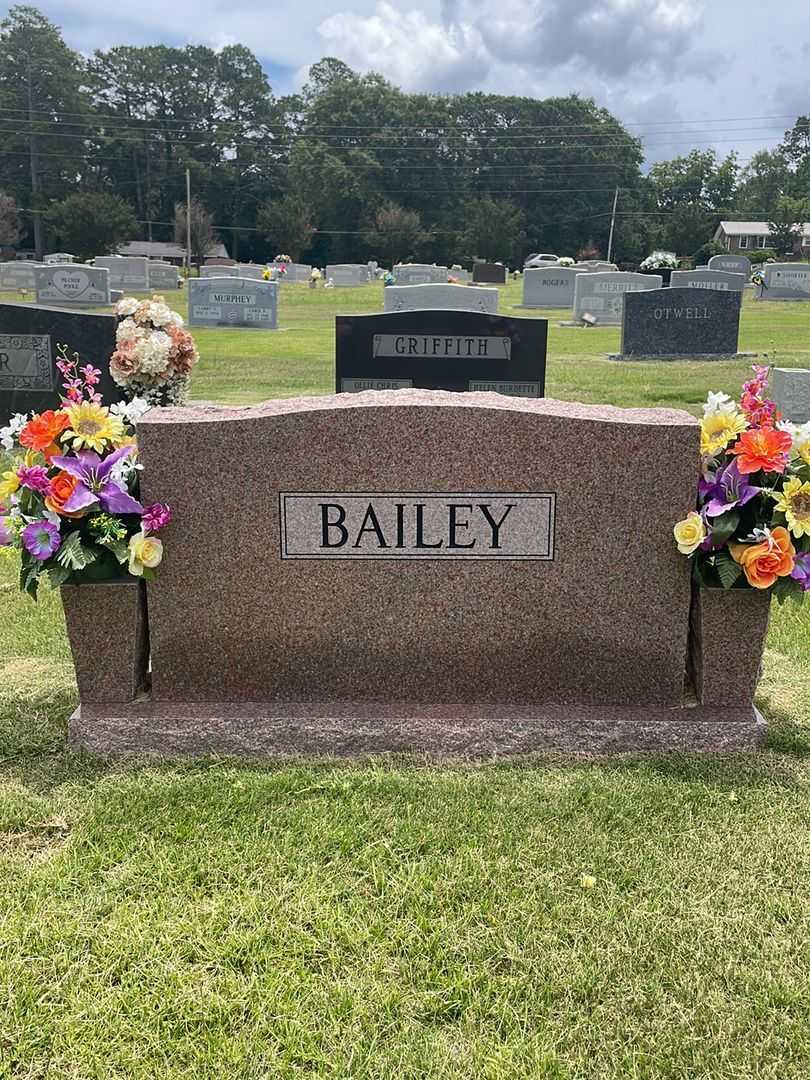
(156, 249)
(752, 228)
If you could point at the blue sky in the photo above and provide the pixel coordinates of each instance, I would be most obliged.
(728, 73)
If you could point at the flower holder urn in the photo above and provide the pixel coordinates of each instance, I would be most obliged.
(727, 636)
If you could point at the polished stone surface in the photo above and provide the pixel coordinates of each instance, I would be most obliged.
(549, 287)
(599, 296)
(790, 389)
(681, 322)
(444, 296)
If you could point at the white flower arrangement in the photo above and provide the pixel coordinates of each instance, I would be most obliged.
(154, 355)
(660, 260)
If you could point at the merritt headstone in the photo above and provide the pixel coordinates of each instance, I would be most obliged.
(732, 264)
(722, 280)
(420, 274)
(599, 297)
(233, 302)
(549, 287)
(130, 273)
(785, 281)
(790, 389)
(78, 286)
(678, 322)
(485, 273)
(447, 297)
(162, 276)
(347, 275)
(30, 337)
(441, 350)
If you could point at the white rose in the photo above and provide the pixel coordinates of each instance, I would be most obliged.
(160, 314)
(127, 329)
(126, 306)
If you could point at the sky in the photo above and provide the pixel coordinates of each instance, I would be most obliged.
(680, 73)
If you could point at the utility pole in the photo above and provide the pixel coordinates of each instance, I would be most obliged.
(188, 220)
(39, 239)
(612, 224)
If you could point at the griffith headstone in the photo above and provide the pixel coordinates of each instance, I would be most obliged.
(785, 281)
(420, 274)
(441, 350)
(485, 273)
(549, 287)
(75, 285)
(722, 280)
(130, 273)
(678, 322)
(29, 341)
(233, 302)
(600, 296)
(732, 264)
(347, 275)
(790, 389)
(447, 297)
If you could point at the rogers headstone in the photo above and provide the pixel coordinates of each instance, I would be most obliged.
(549, 287)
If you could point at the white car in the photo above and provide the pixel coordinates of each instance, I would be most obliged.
(540, 260)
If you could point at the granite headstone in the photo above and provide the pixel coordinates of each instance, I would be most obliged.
(790, 389)
(420, 274)
(17, 275)
(785, 281)
(76, 285)
(347, 275)
(162, 276)
(233, 302)
(441, 350)
(549, 287)
(678, 322)
(722, 280)
(447, 297)
(599, 296)
(57, 257)
(129, 273)
(485, 273)
(731, 264)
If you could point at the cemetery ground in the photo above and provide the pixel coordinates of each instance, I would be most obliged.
(637, 916)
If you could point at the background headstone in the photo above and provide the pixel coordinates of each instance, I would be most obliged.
(29, 340)
(485, 273)
(549, 287)
(681, 322)
(58, 257)
(732, 264)
(601, 294)
(250, 270)
(347, 275)
(447, 297)
(722, 280)
(790, 389)
(162, 276)
(129, 273)
(296, 273)
(441, 350)
(72, 284)
(17, 275)
(785, 281)
(420, 274)
(210, 270)
(233, 302)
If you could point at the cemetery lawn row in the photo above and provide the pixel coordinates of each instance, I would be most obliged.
(393, 919)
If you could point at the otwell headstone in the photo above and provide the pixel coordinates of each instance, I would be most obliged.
(129, 273)
(162, 277)
(785, 281)
(732, 264)
(790, 389)
(30, 337)
(600, 296)
(448, 297)
(347, 275)
(549, 287)
(679, 322)
(485, 273)
(420, 274)
(78, 286)
(233, 302)
(721, 280)
(441, 350)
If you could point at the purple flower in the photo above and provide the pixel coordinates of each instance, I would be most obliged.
(95, 484)
(41, 539)
(156, 517)
(730, 489)
(801, 570)
(34, 477)
(5, 533)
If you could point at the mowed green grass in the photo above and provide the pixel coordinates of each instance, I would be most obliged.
(393, 919)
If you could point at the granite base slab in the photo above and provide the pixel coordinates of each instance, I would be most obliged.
(683, 356)
(443, 732)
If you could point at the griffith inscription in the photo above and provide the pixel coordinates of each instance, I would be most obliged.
(417, 525)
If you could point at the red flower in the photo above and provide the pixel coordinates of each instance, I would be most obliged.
(762, 449)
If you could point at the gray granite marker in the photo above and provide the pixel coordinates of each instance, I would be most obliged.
(233, 302)
(445, 297)
(129, 273)
(347, 275)
(790, 389)
(785, 281)
(420, 274)
(73, 285)
(732, 264)
(18, 275)
(549, 287)
(708, 279)
(162, 276)
(600, 296)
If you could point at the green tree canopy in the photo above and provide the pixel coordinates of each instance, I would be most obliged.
(91, 223)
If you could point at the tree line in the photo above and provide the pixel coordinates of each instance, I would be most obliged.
(96, 149)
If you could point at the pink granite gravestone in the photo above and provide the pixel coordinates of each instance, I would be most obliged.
(451, 573)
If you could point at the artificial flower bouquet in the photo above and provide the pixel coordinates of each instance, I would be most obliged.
(69, 504)
(154, 355)
(751, 528)
(660, 260)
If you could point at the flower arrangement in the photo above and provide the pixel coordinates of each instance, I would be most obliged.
(69, 504)
(154, 355)
(660, 260)
(565, 260)
(751, 528)
(283, 259)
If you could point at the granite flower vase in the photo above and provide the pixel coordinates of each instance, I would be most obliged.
(727, 633)
(108, 635)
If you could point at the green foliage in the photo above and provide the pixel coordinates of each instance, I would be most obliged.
(9, 220)
(728, 570)
(73, 554)
(203, 234)
(705, 252)
(494, 230)
(91, 223)
(761, 255)
(287, 223)
(396, 233)
(786, 223)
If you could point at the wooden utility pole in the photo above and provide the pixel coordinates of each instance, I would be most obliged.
(612, 225)
(39, 232)
(188, 220)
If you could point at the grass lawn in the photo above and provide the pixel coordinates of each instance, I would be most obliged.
(391, 919)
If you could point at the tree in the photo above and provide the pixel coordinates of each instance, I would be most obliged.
(9, 221)
(287, 225)
(763, 180)
(92, 223)
(203, 234)
(395, 232)
(493, 229)
(694, 192)
(786, 225)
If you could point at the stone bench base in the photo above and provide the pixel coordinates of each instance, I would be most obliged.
(441, 732)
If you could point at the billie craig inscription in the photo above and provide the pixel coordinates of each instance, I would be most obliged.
(417, 525)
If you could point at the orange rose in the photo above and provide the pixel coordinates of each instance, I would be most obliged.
(43, 431)
(763, 449)
(763, 563)
(62, 487)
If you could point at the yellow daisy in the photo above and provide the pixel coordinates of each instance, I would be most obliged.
(719, 428)
(92, 427)
(794, 502)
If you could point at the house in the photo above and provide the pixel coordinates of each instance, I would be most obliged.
(168, 252)
(751, 235)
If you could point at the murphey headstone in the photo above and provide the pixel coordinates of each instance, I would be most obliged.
(441, 350)
(73, 284)
(447, 297)
(721, 280)
(681, 322)
(233, 302)
(30, 337)
(599, 297)
(549, 287)
(485, 273)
